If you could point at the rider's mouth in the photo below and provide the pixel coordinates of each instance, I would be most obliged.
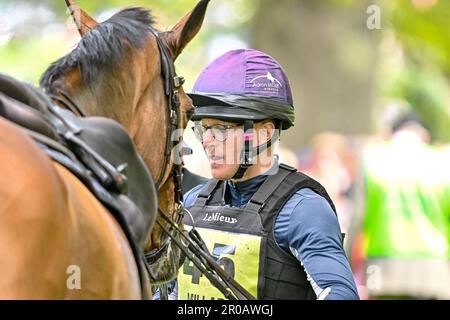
(216, 160)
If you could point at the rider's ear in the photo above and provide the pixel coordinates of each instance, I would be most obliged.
(185, 30)
(268, 130)
(83, 21)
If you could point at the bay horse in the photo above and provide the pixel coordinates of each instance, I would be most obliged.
(51, 223)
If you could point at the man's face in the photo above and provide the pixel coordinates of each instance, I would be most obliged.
(223, 151)
(223, 142)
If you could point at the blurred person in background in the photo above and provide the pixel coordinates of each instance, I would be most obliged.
(332, 162)
(401, 236)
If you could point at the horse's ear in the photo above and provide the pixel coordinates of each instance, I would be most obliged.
(185, 30)
(83, 21)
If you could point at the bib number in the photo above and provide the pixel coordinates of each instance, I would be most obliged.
(226, 263)
(237, 254)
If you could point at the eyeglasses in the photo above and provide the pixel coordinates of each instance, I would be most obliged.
(219, 132)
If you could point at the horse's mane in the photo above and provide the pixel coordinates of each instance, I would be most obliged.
(103, 47)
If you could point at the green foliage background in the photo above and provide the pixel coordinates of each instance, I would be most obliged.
(27, 56)
(414, 55)
(421, 76)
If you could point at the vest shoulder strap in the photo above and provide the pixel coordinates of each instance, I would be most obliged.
(278, 189)
(206, 192)
(259, 199)
(290, 185)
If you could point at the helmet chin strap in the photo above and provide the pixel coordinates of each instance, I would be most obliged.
(249, 152)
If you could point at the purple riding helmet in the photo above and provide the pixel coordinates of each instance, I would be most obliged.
(244, 86)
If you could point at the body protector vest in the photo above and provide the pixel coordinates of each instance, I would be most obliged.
(242, 240)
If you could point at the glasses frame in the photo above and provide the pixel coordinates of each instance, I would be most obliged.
(224, 131)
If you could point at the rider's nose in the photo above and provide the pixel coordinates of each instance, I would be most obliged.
(207, 138)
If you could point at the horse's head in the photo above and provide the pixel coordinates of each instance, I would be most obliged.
(117, 71)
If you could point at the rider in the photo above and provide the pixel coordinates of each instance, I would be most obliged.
(272, 228)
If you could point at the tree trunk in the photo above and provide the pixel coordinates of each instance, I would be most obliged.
(329, 55)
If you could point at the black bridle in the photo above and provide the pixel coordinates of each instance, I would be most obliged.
(172, 83)
(192, 245)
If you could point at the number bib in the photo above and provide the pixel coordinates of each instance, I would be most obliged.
(242, 240)
(237, 253)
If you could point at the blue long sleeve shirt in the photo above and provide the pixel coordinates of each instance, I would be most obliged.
(308, 228)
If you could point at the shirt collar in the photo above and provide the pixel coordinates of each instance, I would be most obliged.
(241, 192)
